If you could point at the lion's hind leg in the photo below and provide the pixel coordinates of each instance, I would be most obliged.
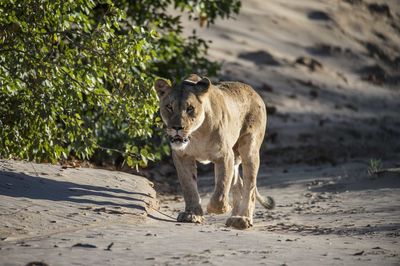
(249, 151)
(237, 186)
(219, 202)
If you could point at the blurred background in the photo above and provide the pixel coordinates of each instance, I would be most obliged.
(328, 70)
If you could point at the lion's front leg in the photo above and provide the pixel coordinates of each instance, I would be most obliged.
(187, 174)
(219, 202)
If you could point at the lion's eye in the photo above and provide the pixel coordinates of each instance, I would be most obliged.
(169, 107)
(190, 109)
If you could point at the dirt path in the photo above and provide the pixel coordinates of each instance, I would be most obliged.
(335, 219)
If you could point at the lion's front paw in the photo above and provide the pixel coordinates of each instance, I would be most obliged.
(189, 217)
(239, 222)
(218, 207)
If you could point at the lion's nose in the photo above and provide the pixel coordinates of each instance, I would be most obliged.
(177, 128)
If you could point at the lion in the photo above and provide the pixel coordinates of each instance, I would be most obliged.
(224, 124)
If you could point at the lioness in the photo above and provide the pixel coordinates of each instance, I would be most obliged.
(224, 124)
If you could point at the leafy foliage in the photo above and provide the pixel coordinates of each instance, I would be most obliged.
(76, 75)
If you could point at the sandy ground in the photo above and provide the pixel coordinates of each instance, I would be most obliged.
(42, 199)
(323, 216)
(329, 73)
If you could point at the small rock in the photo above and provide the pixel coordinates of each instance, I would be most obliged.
(380, 9)
(318, 15)
(358, 253)
(81, 245)
(311, 63)
(36, 263)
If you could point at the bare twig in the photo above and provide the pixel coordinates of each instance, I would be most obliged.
(34, 169)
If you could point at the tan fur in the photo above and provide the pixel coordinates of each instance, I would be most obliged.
(224, 124)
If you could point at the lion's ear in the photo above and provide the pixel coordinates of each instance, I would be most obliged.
(193, 78)
(203, 85)
(162, 87)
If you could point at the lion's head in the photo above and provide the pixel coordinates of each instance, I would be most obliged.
(181, 108)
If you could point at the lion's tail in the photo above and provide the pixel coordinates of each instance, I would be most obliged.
(266, 202)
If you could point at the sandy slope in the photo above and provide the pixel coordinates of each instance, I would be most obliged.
(42, 199)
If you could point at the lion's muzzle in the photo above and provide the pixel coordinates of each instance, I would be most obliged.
(178, 139)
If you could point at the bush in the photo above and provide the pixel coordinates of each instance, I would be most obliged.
(76, 76)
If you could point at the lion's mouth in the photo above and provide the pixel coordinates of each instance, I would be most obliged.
(178, 139)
